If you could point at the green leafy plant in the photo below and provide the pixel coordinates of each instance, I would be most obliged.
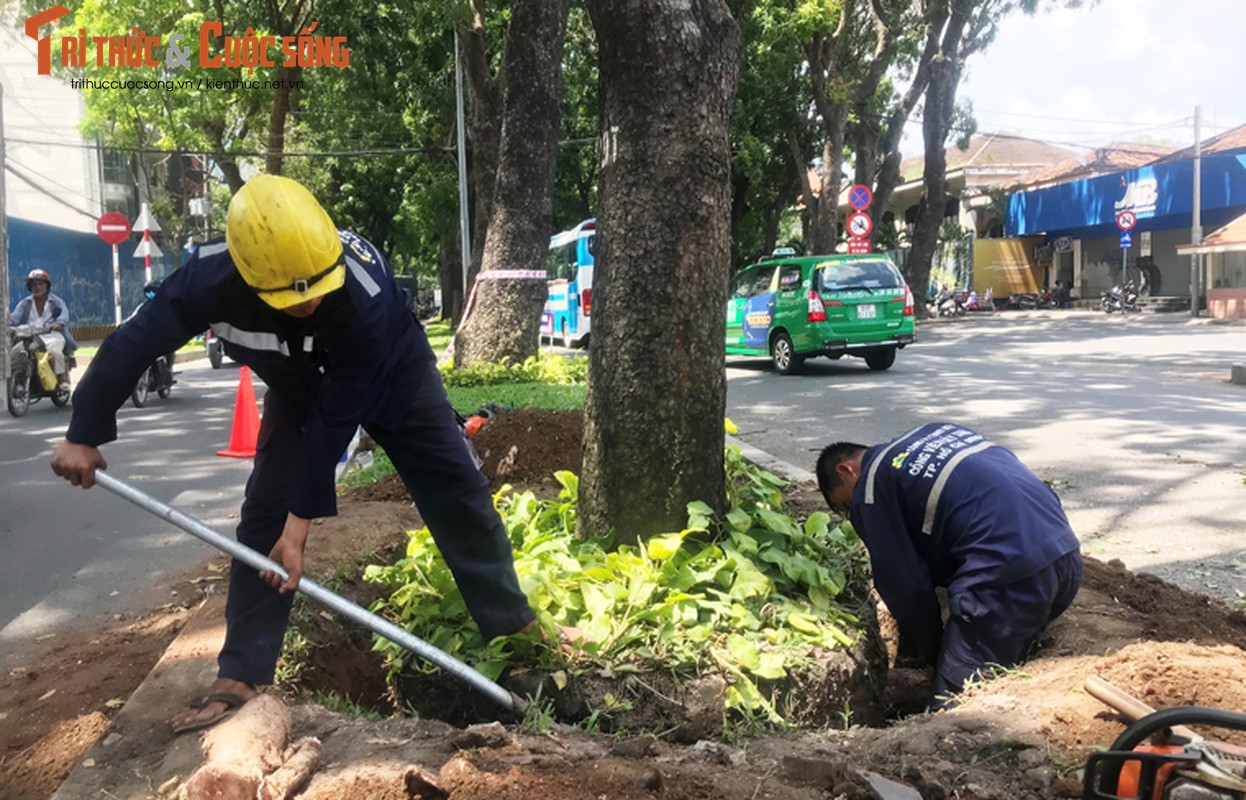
(544, 368)
(751, 596)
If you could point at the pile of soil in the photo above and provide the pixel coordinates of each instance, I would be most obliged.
(1021, 736)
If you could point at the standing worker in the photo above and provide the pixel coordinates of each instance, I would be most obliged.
(941, 506)
(316, 313)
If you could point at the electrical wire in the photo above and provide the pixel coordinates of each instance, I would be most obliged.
(34, 185)
(369, 153)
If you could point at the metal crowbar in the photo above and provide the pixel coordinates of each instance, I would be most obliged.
(315, 591)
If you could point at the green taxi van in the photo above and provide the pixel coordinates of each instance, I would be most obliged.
(791, 308)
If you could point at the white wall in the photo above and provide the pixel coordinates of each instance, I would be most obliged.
(45, 110)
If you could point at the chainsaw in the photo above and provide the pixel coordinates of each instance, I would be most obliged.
(1159, 758)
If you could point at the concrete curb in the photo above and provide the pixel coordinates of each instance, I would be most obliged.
(138, 752)
(770, 463)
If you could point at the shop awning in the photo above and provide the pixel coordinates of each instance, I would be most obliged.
(1229, 239)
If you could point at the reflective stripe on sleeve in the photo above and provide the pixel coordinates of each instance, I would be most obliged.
(361, 275)
(263, 341)
(932, 501)
(869, 478)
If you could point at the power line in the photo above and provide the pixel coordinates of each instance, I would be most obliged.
(29, 181)
(372, 153)
(57, 184)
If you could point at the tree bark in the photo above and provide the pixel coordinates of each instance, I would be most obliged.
(504, 318)
(484, 134)
(888, 177)
(275, 159)
(936, 120)
(653, 437)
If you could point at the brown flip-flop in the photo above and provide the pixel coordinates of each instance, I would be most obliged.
(231, 701)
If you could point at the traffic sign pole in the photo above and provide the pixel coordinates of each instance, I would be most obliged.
(116, 284)
(1125, 220)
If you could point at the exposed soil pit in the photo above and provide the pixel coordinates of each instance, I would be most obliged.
(1020, 737)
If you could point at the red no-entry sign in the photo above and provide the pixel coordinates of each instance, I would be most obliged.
(113, 228)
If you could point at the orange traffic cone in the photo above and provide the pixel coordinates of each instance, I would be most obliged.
(246, 420)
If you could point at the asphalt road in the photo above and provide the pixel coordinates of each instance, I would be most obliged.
(1133, 420)
(73, 557)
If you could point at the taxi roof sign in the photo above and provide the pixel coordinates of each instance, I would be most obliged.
(784, 251)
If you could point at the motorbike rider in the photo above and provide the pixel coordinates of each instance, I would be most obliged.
(49, 316)
(317, 314)
(166, 363)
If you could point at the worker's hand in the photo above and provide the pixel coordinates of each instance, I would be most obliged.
(56, 326)
(288, 552)
(77, 463)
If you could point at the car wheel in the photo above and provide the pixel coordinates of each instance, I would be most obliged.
(879, 360)
(783, 355)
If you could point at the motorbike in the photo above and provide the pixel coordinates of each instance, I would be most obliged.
(156, 378)
(1025, 302)
(1120, 299)
(32, 378)
(1047, 300)
(949, 304)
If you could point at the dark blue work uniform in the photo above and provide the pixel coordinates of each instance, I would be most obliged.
(943, 507)
(360, 359)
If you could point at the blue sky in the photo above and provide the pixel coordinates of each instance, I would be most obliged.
(1123, 70)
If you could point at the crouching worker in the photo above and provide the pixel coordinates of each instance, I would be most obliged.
(943, 507)
(316, 313)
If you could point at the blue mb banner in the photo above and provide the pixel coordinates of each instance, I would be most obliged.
(1161, 196)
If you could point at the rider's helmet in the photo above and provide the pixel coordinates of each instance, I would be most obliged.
(38, 275)
(284, 244)
(149, 291)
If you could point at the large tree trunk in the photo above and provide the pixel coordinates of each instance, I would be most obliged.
(653, 439)
(484, 133)
(277, 120)
(888, 177)
(504, 318)
(936, 120)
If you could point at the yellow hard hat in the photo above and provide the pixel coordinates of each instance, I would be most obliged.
(284, 244)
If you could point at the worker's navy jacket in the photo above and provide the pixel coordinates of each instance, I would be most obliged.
(358, 359)
(942, 506)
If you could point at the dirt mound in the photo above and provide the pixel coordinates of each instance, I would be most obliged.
(523, 448)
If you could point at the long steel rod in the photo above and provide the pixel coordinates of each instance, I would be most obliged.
(315, 591)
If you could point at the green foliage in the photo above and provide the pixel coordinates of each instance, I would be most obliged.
(439, 334)
(749, 596)
(380, 467)
(544, 368)
(341, 704)
(518, 395)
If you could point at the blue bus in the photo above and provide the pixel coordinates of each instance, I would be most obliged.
(569, 274)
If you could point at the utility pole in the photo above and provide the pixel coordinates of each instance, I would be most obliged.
(4, 262)
(1196, 223)
(465, 241)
